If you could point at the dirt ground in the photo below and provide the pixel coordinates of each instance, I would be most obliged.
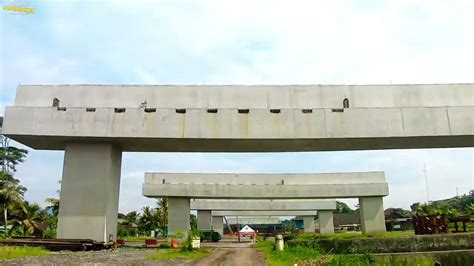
(224, 253)
(231, 257)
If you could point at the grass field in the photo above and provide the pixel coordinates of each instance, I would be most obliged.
(8, 252)
(301, 255)
(349, 234)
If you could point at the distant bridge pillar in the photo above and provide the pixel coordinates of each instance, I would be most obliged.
(218, 224)
(204, 219)
(308, 224)
(326, 222)
(178, 214)
(372, 218)
(89, 192)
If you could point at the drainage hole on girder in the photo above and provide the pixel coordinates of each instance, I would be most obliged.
(150, 110)
(275, 111)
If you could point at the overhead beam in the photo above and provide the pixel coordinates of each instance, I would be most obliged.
(263, 213)
(263, 205)
(244, 118)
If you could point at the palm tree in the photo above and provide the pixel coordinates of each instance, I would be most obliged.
(10, 193)
(131, 217)
(31, 218)
(162, 213)
(148, 221)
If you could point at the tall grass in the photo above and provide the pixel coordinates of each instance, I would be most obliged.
(8, 252)
(304, 255)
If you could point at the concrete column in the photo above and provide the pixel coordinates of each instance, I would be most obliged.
(308, 223)
(326, 222)
(204, 220)
(89, 192)
(178, 215)
(218, 224)
(372, 218)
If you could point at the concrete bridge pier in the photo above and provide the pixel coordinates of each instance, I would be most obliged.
(89, 192)
(372, 218)
(326, 222)
(308, 223)
(204, 220)
(218, 224)
(178, 214)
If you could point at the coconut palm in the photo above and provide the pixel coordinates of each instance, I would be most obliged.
(148, 219)
(162, 213)
(31, 218)
(11, 193)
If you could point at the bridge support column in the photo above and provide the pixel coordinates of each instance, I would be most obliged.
(178, 215)
(308, 223)
(89, 192)
(204, 220)
(218, 224)
(326, 222)
(372, 218)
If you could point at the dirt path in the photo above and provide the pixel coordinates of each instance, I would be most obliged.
(230, 256)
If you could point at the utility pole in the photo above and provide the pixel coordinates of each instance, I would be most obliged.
(427, 185)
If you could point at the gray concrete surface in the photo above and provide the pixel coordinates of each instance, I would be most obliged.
(379, 117)
(216, 191)
(308, 224)
(249, 220)
(218, 224)
(265, 178)
(264, 213)
(265, 186)
(90, 192)
(326, 222)
(372, 216)
(262, 205)
(204, 220)
(178, 215)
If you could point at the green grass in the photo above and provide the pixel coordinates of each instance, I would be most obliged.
(135, 238)
(8, 252)
(289, 256)
(306, 255)
(178, 254)
(350, 234)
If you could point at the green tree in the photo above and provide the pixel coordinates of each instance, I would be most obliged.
(11, 157)
(53, 206)
(148, 220)
(31, 219)
(342, 207)
(132, 217)
(162, 214)
(11, 193)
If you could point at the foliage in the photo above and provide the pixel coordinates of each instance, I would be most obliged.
(193, 220)
(351, 234)
(313, 255)
(10, 157)
(11, 196)
(289, 226)
(178, 254)
(31, 219)
(151, 218)
(342, 207)
(187, 243)
(8, 252)
(462, 205)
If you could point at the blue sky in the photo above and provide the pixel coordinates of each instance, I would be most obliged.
(240, 42)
